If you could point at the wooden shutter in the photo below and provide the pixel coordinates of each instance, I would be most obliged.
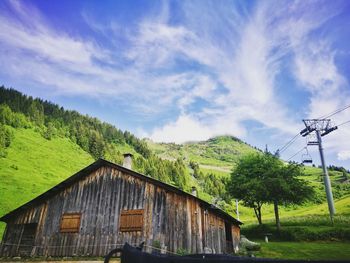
(212, 220)
(131, 220)
(70, 223)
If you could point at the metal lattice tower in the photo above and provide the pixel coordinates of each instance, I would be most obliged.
(321, 127)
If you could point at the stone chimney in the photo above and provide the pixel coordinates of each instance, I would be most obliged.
(194, 191)
(127, 163)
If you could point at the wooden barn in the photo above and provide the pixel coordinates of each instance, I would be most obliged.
(105, 205)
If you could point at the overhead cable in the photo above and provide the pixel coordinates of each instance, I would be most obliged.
(304, 147)
(334, 112)
(343, 123)
(289, 143)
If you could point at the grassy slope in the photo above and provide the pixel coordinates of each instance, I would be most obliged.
(305, 250)
(33, 165)
(342, 207)
(219, 153)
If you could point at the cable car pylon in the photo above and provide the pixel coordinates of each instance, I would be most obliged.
(321, 127)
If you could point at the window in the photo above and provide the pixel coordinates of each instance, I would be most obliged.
(27, 239)
(70, 223)
(131, 220)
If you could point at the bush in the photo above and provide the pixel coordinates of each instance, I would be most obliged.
(14, 119)
(6, 135)
(181, 251)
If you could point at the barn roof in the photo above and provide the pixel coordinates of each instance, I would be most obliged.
(103, 163)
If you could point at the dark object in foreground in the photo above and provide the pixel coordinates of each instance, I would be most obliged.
(120, 250)
(135, 255)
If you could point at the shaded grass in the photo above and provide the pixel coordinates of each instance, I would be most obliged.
(342, 206)
(317, 220)
(307, 228)
(305, 250)
(300, 233)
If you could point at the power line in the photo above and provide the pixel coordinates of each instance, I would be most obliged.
(304, 147)
(334, 112)
(289, 143)
(343, 123)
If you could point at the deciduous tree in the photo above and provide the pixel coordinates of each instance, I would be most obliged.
(263, 178)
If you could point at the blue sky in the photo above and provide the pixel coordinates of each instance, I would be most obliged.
(177, 71)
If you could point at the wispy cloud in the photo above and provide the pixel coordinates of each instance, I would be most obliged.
(316, 71)
(344, 155)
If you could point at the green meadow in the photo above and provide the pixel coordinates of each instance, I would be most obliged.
(34, 165)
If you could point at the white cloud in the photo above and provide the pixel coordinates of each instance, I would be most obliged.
(182, 130)
(247, 70)
(30, 34)
(344, 155)
(187, 128)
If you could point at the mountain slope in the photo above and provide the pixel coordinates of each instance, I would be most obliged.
(33, 165)
(219, 153)
(97, 138)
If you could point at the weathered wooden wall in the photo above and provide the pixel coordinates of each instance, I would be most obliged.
(236, 236)
(174, 220)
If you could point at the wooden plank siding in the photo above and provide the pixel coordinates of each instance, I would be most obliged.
(236, 236)
(174, 220)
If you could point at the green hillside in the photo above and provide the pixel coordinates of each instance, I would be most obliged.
(218, 154)
(34, 165)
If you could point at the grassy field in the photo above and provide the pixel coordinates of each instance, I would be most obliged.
(342, 207)
(301, 229)
(305, 250)
(34, 165)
